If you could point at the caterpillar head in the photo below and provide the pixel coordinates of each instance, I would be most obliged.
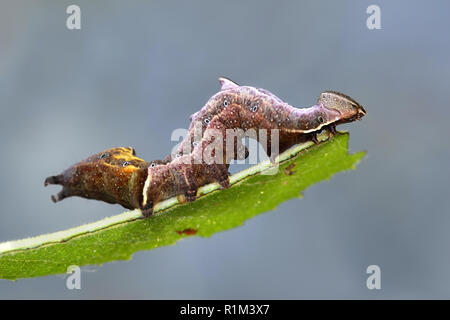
(115, 175)
(347, 108)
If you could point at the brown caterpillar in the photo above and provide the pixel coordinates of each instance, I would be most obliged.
(123, 178)
(115, 176)
(294, 123)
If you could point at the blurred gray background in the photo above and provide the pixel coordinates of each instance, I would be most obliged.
(137, 70)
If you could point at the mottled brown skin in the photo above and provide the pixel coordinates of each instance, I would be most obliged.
(332, 107)
(115, 176)
(141, 184)
(245, 108)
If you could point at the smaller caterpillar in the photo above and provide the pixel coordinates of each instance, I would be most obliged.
(118, 176)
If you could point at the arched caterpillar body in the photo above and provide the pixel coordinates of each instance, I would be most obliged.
(134, 183)
(267, 111)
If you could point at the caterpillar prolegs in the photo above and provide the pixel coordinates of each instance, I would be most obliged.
(118, 176)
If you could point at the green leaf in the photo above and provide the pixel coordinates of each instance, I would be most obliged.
(119, 237)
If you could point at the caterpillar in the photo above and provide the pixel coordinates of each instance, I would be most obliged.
(117, 175)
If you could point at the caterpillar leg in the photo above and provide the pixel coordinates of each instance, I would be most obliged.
(314, 138)
(332, 129)
(190, 195)
(147, 210)
(187, 196)
(187, 185)
(219, 173)
(191, 185)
